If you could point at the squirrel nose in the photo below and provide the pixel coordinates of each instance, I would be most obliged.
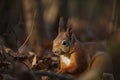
(56, 51)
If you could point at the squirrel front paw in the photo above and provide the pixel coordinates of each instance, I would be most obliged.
(61, 71)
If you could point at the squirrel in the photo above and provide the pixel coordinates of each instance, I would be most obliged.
(76, 56)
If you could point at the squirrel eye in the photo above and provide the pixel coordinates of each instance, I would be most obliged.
(65, 43)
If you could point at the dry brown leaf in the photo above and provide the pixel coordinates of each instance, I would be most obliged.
(34, 60)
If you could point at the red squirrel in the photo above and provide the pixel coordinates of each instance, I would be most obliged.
(74, 55)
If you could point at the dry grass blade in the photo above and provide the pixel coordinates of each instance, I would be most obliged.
(28, 37)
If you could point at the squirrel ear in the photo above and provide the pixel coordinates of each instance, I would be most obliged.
(69, 32)
(61, 24)
(69, 28)
(72, 38)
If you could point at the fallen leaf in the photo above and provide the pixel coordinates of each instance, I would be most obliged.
(34, 60)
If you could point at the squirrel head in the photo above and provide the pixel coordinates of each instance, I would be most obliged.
(64, 40)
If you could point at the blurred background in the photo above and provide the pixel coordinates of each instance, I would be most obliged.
(34, 23)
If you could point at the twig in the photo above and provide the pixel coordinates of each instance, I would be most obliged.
(52, 74)
(41, 73)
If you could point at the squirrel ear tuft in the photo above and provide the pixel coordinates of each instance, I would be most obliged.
(69, 31)
(61, 24)
(69, 28)
(72, 38)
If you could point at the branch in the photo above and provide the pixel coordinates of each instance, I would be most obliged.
(52, 74)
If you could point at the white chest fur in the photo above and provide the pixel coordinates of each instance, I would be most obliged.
(65, 60)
